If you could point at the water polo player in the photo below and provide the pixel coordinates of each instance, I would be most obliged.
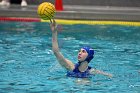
(85, 55)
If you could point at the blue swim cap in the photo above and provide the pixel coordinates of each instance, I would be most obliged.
(90, 52)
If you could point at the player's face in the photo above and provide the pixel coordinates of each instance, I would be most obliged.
(82, 54)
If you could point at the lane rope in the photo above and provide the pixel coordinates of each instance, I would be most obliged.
(71, 22)
(16, 19)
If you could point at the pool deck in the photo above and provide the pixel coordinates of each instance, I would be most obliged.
(77, 12)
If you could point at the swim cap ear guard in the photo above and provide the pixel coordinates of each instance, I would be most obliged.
(90, 52)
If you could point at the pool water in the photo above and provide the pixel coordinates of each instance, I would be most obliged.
(28, 65)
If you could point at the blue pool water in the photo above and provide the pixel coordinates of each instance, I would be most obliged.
(27, 63)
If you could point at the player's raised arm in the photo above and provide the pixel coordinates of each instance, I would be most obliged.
(61, 59)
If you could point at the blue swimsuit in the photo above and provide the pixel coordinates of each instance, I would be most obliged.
(76, 73)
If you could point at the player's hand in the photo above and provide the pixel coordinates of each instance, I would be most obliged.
(53, 25)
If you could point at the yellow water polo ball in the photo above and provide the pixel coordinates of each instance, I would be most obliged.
(46, 10)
